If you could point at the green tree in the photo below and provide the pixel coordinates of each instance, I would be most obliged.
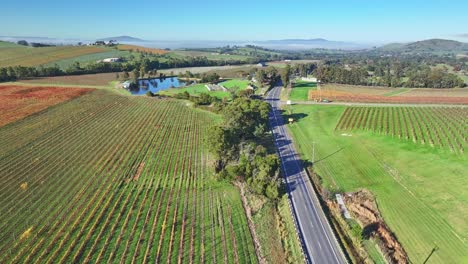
(285, 75)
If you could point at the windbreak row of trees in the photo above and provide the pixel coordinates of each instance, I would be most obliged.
(391, 76)
(143, 65)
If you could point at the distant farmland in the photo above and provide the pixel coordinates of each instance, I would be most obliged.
(106, 178)
(28, 56)
(141, 49)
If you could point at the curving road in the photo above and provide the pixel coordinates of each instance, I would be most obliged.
(317, 238)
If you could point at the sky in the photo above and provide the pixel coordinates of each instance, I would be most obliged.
(362, 21)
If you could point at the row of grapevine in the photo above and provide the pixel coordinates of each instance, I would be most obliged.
(108, 178)
(444, 127)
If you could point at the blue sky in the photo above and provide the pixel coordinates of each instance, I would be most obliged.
(349, 20)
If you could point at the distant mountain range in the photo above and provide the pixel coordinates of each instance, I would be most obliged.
(124, 39)
(424, 46)
(427, 46)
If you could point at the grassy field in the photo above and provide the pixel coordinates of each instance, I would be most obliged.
(6, 44)
(89, 58)
(420, 190)
(105, 178)
(28, 56)
(196, 90)
(300, 91)
(240, 84)
(208, 55)
(437, 127)
(229, 68)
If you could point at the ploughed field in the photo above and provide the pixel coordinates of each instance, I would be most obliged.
(17, 102)
(370, 94)
(105, 178)
(412, 159)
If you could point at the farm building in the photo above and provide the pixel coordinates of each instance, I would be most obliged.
(311, 79)
(126, 84)
(111, 60)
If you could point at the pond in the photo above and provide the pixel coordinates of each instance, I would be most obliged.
(157, 84)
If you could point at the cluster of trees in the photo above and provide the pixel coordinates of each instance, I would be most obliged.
(303, 69)
(268, 77)
(34, 44)
(202, 99)
(20, 72)
(434, 78)
(339, 74)
(239, 156)
(391, 75)
(210, 77)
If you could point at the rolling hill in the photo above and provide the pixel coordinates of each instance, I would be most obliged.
(124, 39)
(427, 46)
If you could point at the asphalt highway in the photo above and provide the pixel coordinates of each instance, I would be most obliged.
(317, 238)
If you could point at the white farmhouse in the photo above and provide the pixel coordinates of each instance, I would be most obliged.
(111, 60)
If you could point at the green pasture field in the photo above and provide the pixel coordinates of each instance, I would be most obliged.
(300, 90)
(420, 189)
(240, 84)
(196, 90)
(90, 58)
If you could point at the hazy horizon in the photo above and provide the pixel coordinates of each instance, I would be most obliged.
(375, 22)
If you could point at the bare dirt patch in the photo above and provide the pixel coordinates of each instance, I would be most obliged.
(362, 206)
(339, 96)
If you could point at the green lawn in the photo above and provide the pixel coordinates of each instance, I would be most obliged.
(89, 58)
(196, 90)
(300, 91)
(5, 44)
(421, 191)
(240, 84)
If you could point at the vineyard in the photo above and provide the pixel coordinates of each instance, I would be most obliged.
(106, 178)
(26, 56)
(17, 102)
(435, 126)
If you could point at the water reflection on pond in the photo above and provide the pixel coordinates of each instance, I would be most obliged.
(157, 84)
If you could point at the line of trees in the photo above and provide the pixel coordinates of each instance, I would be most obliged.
(142, 64)
(395, 75)
(235, 146)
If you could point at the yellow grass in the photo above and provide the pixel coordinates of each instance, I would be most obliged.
(26, 233)
(24, 186)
